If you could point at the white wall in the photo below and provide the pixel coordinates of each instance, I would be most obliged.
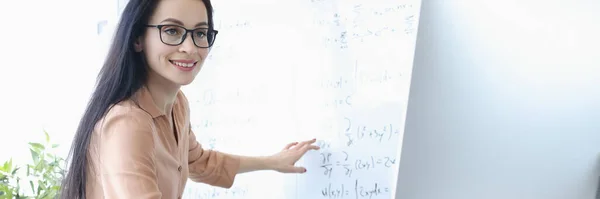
(504, 102)
(51, 54)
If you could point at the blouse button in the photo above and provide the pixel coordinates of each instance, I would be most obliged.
(179, 168)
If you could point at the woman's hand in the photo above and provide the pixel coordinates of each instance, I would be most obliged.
(285, 160)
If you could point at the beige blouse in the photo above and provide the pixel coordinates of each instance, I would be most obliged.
(134, 153)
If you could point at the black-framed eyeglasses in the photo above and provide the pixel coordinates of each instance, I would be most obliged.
(175, 35)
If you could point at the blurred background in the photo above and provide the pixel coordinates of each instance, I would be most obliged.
(51, 54)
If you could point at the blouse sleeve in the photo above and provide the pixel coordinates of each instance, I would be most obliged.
(207, 166)
(211, 167)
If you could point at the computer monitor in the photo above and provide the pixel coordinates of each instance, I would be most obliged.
(504, 101)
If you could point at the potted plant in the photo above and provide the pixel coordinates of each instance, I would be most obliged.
(39, 179)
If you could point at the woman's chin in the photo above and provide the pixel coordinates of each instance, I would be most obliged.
(185, 82)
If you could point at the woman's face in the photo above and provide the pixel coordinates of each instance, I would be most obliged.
(175, 64)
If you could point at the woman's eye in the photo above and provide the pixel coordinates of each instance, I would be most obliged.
(200, 34)
(171, 31)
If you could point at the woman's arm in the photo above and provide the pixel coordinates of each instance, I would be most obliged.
(219, 169)
(253, 163)
(282, 162)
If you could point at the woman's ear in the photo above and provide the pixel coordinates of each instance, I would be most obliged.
(137, 45)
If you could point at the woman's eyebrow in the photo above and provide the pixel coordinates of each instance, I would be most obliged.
(201, 24)
(175, 21)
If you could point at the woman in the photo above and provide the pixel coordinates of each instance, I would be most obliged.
(134, 140)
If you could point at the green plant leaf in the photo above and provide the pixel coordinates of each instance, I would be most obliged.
(3, 174)
(37, 146)
(55, 146)
(7, 167)
(39, 189)
(47, 136)
(14, 172)
(39, 167)
(32, 187)
(8, 193)
(35, 156)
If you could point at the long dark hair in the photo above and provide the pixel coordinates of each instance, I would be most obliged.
(123, 73)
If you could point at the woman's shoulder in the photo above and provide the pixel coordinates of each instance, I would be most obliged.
(125, 116)
(124, 130)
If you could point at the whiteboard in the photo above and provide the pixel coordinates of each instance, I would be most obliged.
(284, 71)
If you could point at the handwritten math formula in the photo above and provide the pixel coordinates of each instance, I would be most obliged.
(202, 191)
(356, 190)
(347, 165)
(358, 22)
(350, 171)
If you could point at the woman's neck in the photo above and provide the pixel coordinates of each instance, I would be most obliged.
(163, 93)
